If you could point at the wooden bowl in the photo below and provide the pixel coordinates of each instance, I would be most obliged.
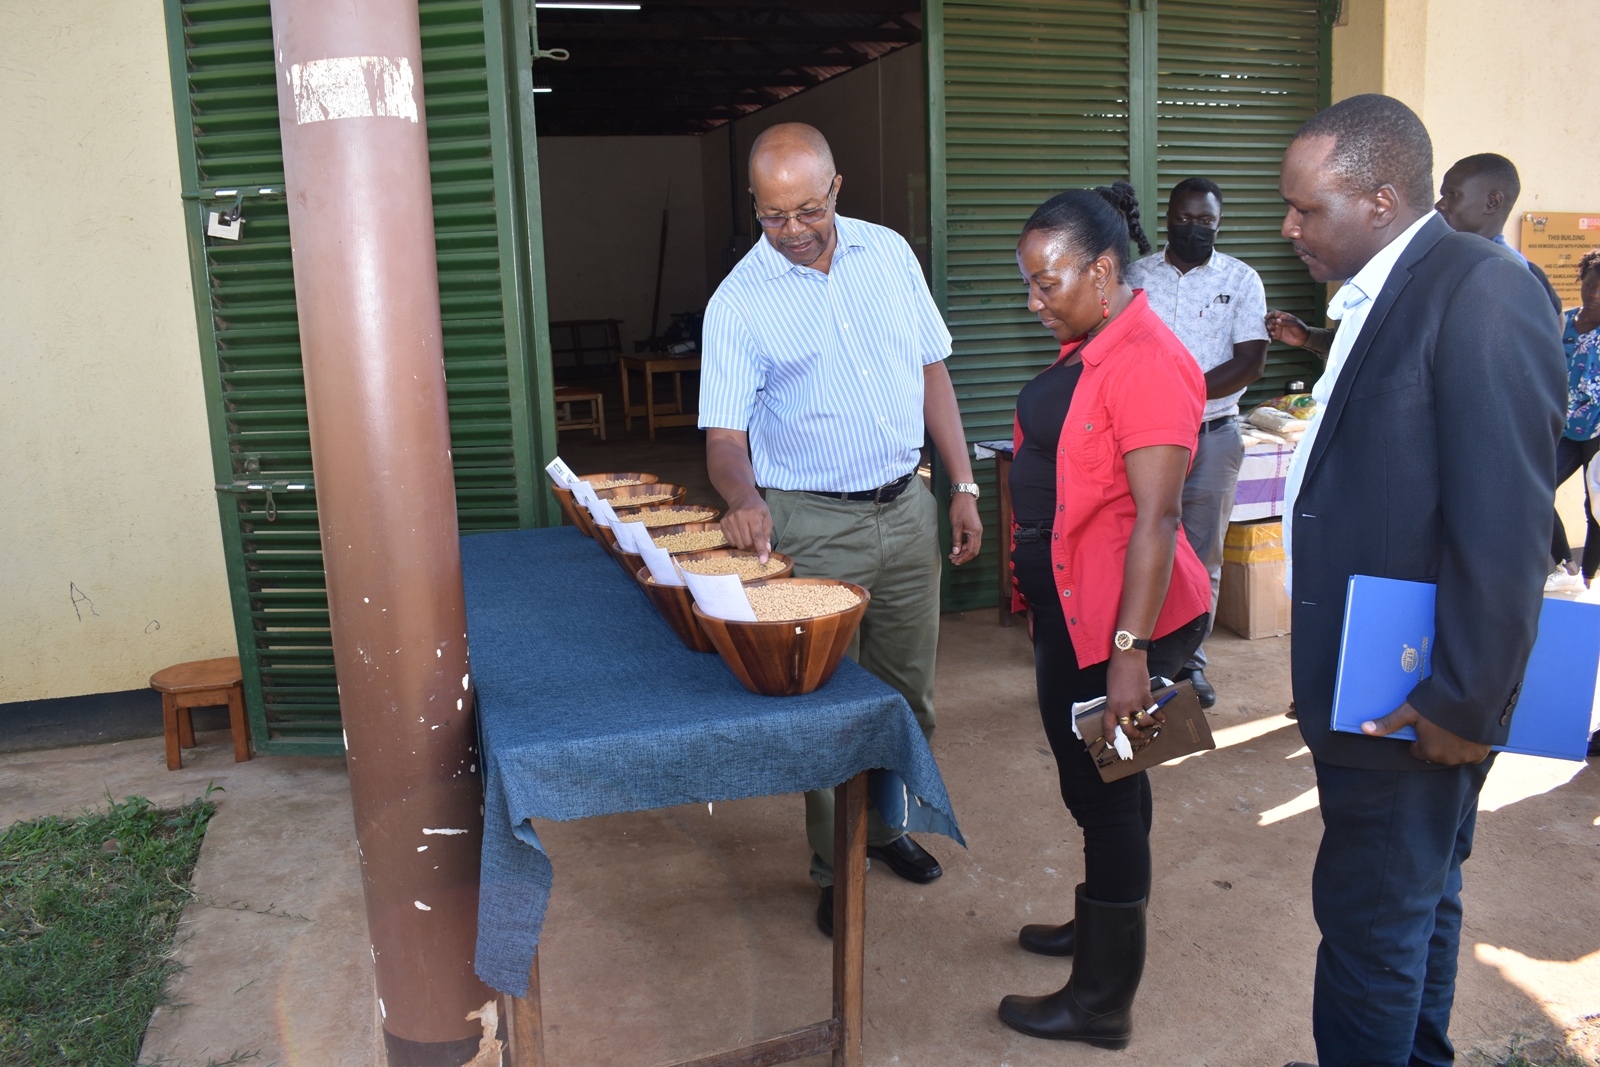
(677, 607)
(638, 514)
(713, 553)
(577, 515)
(789, 657)
(620, 495)
(685, 527)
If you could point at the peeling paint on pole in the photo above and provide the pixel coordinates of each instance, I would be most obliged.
(355, 153)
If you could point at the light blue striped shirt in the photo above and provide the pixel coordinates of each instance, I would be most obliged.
(824, 371)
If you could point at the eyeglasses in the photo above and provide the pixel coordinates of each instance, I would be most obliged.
(807, 218)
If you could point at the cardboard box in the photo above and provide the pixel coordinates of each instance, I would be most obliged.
(1252, 602)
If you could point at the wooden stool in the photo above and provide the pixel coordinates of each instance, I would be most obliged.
(204, 683)
(566, 396)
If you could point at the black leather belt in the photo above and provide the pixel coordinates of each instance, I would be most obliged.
(1216, 424)
(1032, 531)
(881, 495)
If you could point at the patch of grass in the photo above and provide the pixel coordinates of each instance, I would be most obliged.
(88, 910)
(1520, 1055)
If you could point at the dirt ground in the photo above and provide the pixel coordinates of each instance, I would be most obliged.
(677, 932)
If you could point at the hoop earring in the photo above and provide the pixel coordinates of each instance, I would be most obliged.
(1105, 308)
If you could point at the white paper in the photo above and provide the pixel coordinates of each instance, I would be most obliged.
(584, 493)
(721, 596)
(561, 474)
(228, 231)
(600, 511)
(662, 569)
(633, 536)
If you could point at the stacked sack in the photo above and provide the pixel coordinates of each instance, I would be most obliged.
(1280, 421)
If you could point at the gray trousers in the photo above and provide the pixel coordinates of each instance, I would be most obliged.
(1207, 503)
(891, 550)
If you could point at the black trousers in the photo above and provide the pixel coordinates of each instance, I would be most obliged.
(1571, 457)
(1115, 816)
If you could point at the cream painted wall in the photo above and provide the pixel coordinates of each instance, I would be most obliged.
(112, 556)
(1487, 76)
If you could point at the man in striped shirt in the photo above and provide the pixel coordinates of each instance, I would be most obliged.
(823, 368)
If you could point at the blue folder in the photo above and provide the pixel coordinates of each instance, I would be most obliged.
(1387, 648)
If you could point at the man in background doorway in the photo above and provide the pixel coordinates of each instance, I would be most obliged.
(1217, 306)
(1477, 195)
(823, 368)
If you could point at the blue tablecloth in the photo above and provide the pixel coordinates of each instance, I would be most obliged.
(560, 639)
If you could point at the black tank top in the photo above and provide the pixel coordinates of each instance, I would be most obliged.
(1041, 411)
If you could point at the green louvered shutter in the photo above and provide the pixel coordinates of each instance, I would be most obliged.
(1236, 79)
(1028, 100)
(497, 362)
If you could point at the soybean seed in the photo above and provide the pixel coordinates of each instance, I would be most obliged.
(782, 601)
(615, 483)
(746, 567)
(674, 516)
(621, 502)
(691, 541)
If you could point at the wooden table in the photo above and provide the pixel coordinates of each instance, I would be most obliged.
(654, 414)
(840, 1034)
(1002, 468)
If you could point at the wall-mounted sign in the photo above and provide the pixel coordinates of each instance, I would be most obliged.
(1556, 240)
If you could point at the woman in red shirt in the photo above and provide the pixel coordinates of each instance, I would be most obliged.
(1103, 441)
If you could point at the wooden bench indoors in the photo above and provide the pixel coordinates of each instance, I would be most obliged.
(202, 683)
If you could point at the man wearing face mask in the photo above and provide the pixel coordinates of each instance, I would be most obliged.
(1217, 306)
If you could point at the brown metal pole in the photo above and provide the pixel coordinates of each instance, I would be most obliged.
(355, 153)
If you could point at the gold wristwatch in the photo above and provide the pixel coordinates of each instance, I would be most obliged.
(1126, 642)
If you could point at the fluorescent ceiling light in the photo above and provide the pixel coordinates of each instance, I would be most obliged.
(543, 89)
(585, 5)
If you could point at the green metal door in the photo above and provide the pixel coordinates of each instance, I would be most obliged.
(477, 90)
(1235, 79)
(1026, 100)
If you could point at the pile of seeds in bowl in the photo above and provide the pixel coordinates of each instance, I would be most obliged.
(781, 601)
(746, 567)
(676, 516)
(615, 483)
(641, 501)
(692, 541)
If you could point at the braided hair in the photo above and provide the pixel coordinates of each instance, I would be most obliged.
(1095, 222)
(1589, 263)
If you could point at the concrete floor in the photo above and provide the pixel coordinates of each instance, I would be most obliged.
(681, 931)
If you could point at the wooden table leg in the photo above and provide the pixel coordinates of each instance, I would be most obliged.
(525, 1024)
(169, 729)
(185, 723)
(650, 400)
(677, 392)
(238, 725)
(627, 416)
(849, 916)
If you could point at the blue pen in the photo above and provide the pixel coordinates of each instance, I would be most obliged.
(1160, 702)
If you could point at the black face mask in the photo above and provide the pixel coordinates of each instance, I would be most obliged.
(1192, 243)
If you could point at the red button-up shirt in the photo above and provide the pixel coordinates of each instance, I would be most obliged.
(1140, 387)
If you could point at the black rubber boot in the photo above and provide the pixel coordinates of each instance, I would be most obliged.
(1096, 1005)
(1048, 940)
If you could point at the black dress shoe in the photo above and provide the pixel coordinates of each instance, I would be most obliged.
(907, 859)
(825, 911)
(1202, 688)
(1048, 940)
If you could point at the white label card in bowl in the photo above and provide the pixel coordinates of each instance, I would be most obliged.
(584, 493)
(662, 569)
(721, 596)
(561, 473)
(633, 536)
(601, 511)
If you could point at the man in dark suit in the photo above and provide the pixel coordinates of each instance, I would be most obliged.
(1433, 460)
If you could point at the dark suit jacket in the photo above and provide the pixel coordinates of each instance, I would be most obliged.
(1435, 462)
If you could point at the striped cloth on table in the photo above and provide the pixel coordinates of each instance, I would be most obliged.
(824, 371)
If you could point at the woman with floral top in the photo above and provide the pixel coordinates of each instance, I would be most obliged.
(1581, 438)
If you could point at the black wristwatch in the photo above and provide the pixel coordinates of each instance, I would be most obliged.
(1126, 642)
